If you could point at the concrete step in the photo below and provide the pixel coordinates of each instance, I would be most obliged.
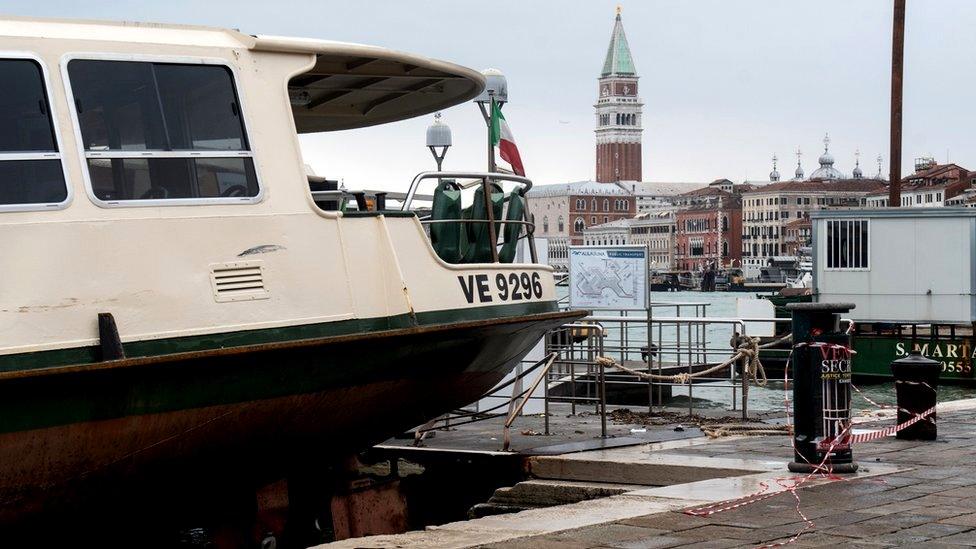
(637, 472)
(534, 494)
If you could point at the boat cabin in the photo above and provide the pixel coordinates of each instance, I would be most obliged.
(154, 172)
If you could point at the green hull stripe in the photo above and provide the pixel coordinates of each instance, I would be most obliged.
(876, 353)
(158, 347)
(410, 360)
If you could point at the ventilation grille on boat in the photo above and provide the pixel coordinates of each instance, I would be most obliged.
(240, 281)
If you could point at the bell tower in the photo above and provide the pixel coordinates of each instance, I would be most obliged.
(618, 114)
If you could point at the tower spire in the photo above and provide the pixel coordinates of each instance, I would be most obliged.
(618, 62)
(618, 113)
(799, 169)
(857, 174)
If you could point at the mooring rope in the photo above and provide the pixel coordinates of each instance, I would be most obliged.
(747, 348)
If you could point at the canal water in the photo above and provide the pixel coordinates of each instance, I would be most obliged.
(769, 398)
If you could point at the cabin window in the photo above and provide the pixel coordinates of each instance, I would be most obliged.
(163, 132)
(847, 244)
(31, 174)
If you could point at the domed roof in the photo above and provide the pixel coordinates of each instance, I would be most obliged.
(858, 174)
(774, 175)
(826, 169)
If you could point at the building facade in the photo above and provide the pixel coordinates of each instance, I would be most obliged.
(768, 209)
(656, 231)
(709, 233)
(797, 235)
(932, 185)
(618, 114)
(563, 212)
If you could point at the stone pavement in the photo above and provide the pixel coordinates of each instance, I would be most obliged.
(931, 503)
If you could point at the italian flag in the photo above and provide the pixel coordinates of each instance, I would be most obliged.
(501, 137)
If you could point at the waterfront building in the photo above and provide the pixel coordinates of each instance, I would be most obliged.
(932, 185)
(769, 208)
(563, 211)
(709, 227)
(797, 235)
(655, 230)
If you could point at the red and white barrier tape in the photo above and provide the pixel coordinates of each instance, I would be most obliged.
(823, 469)
(888, 431)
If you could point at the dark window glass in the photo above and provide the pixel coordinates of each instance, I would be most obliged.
(170, 178)
(133, 106)
(26, 128)
(25, 122)
(31, 182)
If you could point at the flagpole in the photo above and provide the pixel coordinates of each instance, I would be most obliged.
(492, 166)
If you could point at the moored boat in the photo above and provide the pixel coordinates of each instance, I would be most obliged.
(911, 274)
(180, 310)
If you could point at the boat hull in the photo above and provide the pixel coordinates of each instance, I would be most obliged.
(875, 353)
(191, 424)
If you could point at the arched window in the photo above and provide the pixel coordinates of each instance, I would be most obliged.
(593, 203)
(561, 225)
(725, 223)
(606, 204)
(545, 224)
(579, 225)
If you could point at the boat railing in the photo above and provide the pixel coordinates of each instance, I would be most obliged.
(484, 180)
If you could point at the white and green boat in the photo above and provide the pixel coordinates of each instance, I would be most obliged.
(179, 313)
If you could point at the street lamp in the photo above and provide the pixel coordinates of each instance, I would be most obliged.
(438, 137)
(496, 89)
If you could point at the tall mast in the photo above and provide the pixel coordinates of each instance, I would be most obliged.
(897, 72)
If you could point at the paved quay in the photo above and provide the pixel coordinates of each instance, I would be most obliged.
(932, 503)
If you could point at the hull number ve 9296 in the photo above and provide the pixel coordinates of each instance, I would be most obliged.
(484, 288)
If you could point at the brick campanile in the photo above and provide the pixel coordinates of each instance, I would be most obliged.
(618, 114)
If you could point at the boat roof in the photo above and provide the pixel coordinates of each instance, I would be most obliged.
(350, 85)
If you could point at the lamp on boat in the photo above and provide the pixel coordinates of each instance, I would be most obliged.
(496, 85)
(438, 137)
(496, 88)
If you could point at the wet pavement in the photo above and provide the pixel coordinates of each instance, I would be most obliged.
(931, 503)
(907, 494)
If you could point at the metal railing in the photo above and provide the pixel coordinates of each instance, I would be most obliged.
(485, 180)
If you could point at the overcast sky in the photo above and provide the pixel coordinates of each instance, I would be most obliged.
(725, 83)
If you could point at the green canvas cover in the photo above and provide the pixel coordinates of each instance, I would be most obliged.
(446, 238)
(516, 212)
(479, 245)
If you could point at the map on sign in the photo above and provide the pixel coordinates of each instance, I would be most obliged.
(608, 277)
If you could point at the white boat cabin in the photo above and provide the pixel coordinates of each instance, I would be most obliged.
(154, 172)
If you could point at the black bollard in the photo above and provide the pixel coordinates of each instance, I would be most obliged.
(916, 382)
(821, 363)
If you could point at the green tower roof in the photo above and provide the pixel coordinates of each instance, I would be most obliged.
(618, 62)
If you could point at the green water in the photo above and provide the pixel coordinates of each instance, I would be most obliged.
(718, 395)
